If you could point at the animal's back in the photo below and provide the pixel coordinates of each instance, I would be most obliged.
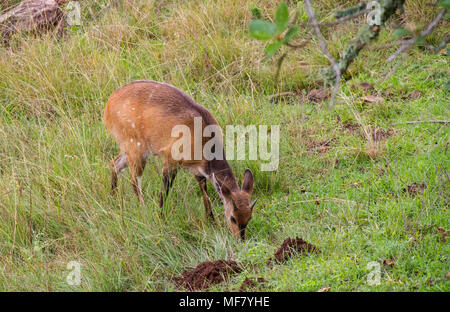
(141, 115)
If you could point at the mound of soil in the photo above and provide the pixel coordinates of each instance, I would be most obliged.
(207, 273)
(292, 245)
(415, 188)
(250, 283)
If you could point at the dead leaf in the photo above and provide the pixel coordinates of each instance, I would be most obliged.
(390, 263)
(373, 99)
(324, 289)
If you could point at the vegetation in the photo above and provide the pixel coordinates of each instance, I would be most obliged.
(356, 181)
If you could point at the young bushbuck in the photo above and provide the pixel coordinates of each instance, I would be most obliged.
(141, 116)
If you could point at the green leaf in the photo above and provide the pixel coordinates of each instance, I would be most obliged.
(262, 30)
(272, 48)
(256, 12)
(282, 17)
(402, 32)
(445, 4)
(291, 33)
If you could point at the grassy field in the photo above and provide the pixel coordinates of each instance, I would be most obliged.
(342, 183)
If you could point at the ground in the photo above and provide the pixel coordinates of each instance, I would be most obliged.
(356, 180)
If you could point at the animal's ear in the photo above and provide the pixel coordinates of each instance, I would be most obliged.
(253, 204)
(247, 184)
(221, 189)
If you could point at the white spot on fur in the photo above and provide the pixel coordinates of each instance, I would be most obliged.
(138, 143)
(131, 140)
(132, 125)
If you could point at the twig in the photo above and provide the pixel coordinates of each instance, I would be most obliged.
(339, 20)
(323, 47)
(422, 121)
(297, 45)
(405, 47)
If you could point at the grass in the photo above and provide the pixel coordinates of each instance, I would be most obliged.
(347, 196)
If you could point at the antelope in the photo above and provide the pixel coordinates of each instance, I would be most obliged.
(140, 116)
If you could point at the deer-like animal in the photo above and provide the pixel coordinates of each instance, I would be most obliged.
(141, 116)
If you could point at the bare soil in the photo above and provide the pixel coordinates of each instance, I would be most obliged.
(207, 273)
(291, 246)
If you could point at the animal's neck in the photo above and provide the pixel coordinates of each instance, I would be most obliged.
(223, 173)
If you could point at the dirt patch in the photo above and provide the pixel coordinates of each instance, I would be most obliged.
(317, 95)
(365, 86)
(292, 245)
(443, 233)
(352, 128)
(415, 188)
(207, 273)
(414, 95)
(319, 146)
(380, 134)
(250, 283)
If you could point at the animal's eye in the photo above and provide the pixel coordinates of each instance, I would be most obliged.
(233, 219)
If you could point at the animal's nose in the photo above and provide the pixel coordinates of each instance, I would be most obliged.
(242, 232)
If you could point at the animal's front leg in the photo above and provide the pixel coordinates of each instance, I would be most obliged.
(202, 184)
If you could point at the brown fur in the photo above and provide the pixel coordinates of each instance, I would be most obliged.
(140, 116)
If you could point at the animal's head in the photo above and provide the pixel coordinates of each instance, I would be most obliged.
(238, 208)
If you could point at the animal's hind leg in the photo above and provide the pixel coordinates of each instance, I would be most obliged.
(137, 166)
(169, 174)
(116, 167)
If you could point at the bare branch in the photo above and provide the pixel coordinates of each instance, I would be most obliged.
(323, 47)
(409, 43)
(339, 20)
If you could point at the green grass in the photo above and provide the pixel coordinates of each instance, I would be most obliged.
(347, 199)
